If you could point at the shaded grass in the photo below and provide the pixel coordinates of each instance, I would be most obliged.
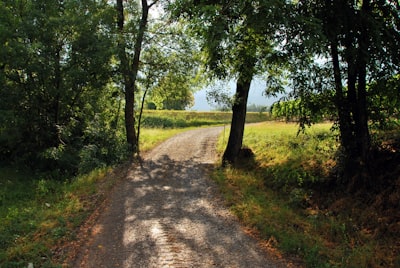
(37, 214)
(282, 194)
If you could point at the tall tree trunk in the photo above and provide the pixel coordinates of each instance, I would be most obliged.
(128, 85)
(361, 130)
(357, 58)
(56, 101)
(352, 98)
(239, 110)
(130, 118)
(131, 72)
(135, 66)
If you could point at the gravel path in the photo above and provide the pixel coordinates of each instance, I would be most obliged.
(167, 214)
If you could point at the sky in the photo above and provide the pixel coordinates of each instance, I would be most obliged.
(255, 96)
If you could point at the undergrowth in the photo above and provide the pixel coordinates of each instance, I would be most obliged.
(286, 194)
(36, 214)
(39, 213)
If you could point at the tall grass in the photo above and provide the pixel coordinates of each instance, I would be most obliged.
(277, 194)
(290, 157)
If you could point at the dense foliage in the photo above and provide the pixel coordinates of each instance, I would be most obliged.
(55, 92)
(63, 67)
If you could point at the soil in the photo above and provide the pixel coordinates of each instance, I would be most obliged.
(168, 213)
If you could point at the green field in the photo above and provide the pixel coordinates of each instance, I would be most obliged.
(285, 195)
(179, 119)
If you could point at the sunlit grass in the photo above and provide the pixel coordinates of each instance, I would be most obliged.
(151, 137)
(277, 194)
(182, 119)
(273, 196)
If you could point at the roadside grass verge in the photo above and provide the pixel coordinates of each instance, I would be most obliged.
(39, 215)
(36, 213)
(284, 194)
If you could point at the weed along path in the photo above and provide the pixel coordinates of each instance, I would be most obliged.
(167, 214)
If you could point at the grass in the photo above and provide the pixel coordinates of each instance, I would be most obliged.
(281, 194)
(151, 137)
(38, 214)
(183, 119)
(276, 193)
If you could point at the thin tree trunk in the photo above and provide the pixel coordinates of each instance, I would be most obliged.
(362, 130)
(116, 120)
(140, 120)
(346, 136)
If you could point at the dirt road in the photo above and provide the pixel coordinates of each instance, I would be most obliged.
(168, 214)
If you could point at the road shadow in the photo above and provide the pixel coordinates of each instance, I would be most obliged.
(168, 214)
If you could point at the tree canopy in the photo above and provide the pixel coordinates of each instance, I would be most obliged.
(235, 46)
(68, 67)
(63, 65)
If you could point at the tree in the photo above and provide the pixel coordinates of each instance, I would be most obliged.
(237, 40)
(171, 70)
(144, 63)
(129, 67)
(361, 41)
(173, 93)
(54, 68)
